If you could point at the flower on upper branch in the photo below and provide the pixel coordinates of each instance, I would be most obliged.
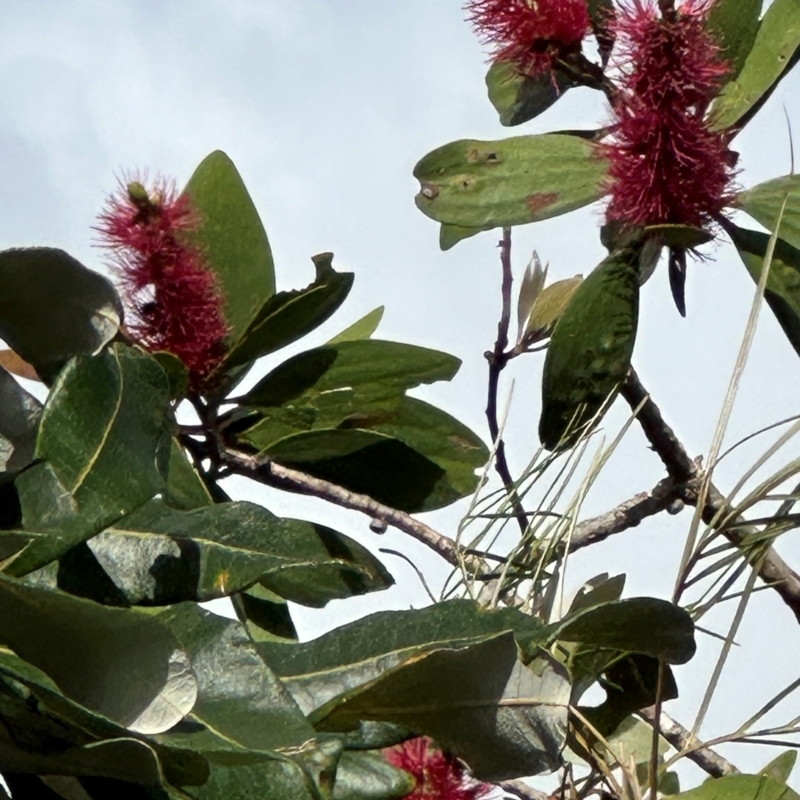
(531, 34)
(666, 163)
(439, 775)
(168, 289)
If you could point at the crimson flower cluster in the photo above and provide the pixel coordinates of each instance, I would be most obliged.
(439, 775)
(531, 34)
(666, 164)
(168, 289)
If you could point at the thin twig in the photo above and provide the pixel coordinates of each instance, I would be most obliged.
(705, 758)
(497, 360)
(680, 466)
(420, 575)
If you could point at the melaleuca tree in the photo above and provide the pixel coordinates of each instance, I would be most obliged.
(115, 526)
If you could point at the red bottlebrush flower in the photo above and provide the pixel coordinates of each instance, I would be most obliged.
(531, 34)
(439, 776)
(165, 284)
(666, 164)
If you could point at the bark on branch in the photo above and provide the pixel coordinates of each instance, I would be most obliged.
(686, 472)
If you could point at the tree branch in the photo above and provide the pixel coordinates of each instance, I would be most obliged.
(680, 738)
(665, 496)
(497, 360)
(268, 472)
(523, 791)
(773, 570)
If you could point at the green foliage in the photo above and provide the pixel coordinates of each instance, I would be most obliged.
(53, 308)
(288, 316)
(102, 451)
(518, 98)
(368, 776)
(740, 787)
(340, 412)
(158, 556)
(765, 201)
(773, 53)
(114, 527)
(361, 329)
(474, 184)
(19, 422)
(103, 510)
(782, 291)
(735, 24)
(233, 240)
(780, 768)
(590, 348)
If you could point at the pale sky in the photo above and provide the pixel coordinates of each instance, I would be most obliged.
(325, 107)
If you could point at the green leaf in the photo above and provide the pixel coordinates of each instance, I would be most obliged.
(590, 349)
(772, 55)
(734, 24)
(630, 684)
(265, 615)
(685, 236)
(357, 370)
(159, 555)
(357, 653)
(643, 625)
(176, 371)
(518, 98)
(368, 775)
(765, 201)
(185, 488)
(506, 719)
(116, 662)
(782, 291)
(548, 307)
(240, 702)
(596, 591)
(407, 454)
(104, 445)
(740, 787)
(360, 329)
(633, 739)
(288, 316)
(451, 235)
(19, 422)
(53, 308)
(29, 722)
(255, 776)
(477, 184)
(232, 239)
(780, 768)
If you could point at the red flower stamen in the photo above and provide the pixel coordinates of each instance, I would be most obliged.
(666, 164)
(532, 34)
(439, 776)
(167, 287)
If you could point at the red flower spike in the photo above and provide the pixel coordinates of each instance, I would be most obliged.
(666, 164)
(439, 776)
(531, 34)
(165, 283)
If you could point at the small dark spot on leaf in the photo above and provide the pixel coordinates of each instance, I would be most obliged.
(493, 158)
(541, 200)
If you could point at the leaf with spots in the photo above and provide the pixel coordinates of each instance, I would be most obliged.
(475, 184)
